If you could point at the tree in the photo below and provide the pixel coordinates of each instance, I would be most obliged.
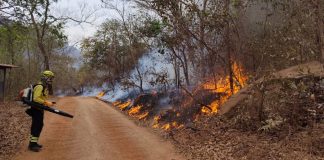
(111, 53)
(40, 18)
(197, 29)
(32, 38)
(320, 31)
(129, 26)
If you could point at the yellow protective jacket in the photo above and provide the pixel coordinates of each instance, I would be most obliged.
(40, 93)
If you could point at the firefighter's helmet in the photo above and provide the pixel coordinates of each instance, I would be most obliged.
(48, 74)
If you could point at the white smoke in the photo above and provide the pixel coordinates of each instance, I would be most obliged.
(150, 66)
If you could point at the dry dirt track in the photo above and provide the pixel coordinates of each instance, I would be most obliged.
(97, 132)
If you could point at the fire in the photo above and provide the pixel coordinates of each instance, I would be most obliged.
(223, 86)
(100, 94)
(169, 126)
(116, 103)
(156, 126)
(166, 126)
(157, 118)
(121, 105)
(143, 116)
(180, 126)
(176, 125)
(134, 110)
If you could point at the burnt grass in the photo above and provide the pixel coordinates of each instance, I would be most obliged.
(280, 119)
(14, 129)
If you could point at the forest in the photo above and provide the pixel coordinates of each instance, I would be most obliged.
(200, 39)
(174, 64)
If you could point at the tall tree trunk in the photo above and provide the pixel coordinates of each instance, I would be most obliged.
(228, 44)
(46, 64)
(177, 73)
(130, 38)
(185, 66)
(11, 46)
(12, 55)
(176, 69)
(45, 55)
(29, 62)
(319, 28)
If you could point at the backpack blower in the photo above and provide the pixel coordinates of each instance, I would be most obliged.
(26, 96)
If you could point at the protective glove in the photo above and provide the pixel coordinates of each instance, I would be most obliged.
(48, 103)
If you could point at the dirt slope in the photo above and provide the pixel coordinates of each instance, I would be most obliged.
(96, 132)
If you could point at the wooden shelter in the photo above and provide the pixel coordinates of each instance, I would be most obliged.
(3, 71)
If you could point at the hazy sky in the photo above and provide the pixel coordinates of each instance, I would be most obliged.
(73, 8)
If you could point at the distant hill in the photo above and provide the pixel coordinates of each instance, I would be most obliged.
(72, 52)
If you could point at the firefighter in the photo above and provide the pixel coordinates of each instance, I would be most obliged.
(40, 95)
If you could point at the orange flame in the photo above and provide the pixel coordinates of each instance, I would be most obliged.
(157, 118)
(121, 105)
(169, 126)
(223, 86)
(155, 126)
(134, 110)
(143, 116)
(166, 127)
(100, 94)
(156, 122)
(116, 103)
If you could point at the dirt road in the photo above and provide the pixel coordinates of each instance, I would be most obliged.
(97, 132)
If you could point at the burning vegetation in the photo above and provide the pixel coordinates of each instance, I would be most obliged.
(185, 106)
(275, 110)
(281, 117)
(122, 105)
(223, 87)
(139, 108)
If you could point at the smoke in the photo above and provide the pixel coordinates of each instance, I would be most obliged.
(153, 66)
(156, 72)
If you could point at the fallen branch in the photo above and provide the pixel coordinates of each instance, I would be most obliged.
(193, 97)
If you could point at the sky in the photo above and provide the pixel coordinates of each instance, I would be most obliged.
(77, 9)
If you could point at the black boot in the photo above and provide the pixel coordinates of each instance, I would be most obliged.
(39, 145)
(33, 146)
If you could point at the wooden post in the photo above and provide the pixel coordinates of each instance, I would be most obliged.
(2, 77)
(4, 84)
(3, 68)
